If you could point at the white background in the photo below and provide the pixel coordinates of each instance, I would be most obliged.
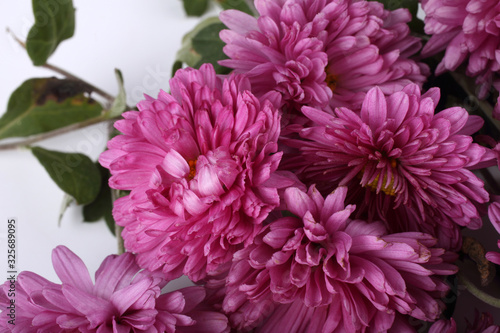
(138, 37)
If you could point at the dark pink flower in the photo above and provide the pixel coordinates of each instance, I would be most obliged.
(469, 31)
(403, 164)
(483, 323)
(124, 298)
(444, 326)
(323, 52)
(199, 163)
(316, 270)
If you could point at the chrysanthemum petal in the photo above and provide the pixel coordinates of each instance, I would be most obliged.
(71, 269)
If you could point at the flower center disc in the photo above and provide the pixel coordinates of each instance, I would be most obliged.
(331, 79)
(386, 186)
(192, 169)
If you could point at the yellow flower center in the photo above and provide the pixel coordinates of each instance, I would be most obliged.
(387, 185)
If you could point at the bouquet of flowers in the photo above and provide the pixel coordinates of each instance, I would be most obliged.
(313, 166)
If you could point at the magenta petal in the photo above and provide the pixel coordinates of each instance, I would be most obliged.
(124, 298)
(365, 243)
(298, 202)
(238, 21)
(45, 319)
(30, 282)
(474, 124)
(315, 291)
(209, 322)
(280, 232)
(108, 156)
(55, 297)
(494, 215)
(207, 179)
(334, 202)
(457, 117)
(398, 106)
(193, 296)
(338, 220)
(175, 164)
(94, 308)
(71, 269)
(374, 108)
(141, 319)
(115, 273)
(172, 302)
(194, 205)
(71, 322)
(494, 257)
(444, 326)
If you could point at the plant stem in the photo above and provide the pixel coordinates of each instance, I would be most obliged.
(59, 131)
(65, 73)
(119, 238)
(115, 194)
(487, 298)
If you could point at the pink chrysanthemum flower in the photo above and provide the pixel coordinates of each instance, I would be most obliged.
(316, 270)
(483, 323)
(322, 52)
(124, 298)
(444, 326)
(199, 163)
(469, 30)
(403, 164)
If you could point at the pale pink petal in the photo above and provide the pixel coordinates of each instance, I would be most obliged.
(71, 269)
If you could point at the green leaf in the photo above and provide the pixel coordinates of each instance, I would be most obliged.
(74, 173)
(54, 22)
(195, 7)
(110, 222)
(45, 104)
(203, 45)
(208, 44)
(186, 54)
(412, 5)
(102, 206)
(240, 5)
(177, 65)
(417, 25)
(120, 103)
(66, 202)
